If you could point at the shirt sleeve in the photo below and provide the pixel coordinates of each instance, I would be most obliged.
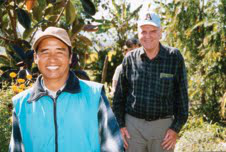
(117, 72)
(181, 97)
(16, 144)
(109, 132)
(119, 99)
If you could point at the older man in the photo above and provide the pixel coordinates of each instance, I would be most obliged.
(60, 112)
(151, 99)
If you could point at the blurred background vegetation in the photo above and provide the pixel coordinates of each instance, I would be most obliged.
(196, 27)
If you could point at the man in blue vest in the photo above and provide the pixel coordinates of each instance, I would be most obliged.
(60, 112)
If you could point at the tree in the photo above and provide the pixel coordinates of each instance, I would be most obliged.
(118, 24)
(21, 19)
(197, 28)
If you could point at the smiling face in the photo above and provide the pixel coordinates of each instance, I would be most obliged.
(149, 37)
(53, 59)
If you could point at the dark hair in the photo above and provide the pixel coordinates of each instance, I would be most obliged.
(131, 42)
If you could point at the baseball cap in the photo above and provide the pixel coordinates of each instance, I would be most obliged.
(57, 32)
(150, 18)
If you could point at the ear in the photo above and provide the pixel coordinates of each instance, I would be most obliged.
(35, 58)
(160, 33)
(70, 59)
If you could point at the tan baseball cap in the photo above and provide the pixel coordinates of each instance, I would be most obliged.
(57, 32)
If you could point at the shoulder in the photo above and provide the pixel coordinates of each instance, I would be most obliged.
(90, 85)
(133, 55)
(119, 67)
(22, 97)
(172, 52)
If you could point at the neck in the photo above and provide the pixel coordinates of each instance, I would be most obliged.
(152, 53)
(55, 84)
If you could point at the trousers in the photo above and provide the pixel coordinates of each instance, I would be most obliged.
(146, 136)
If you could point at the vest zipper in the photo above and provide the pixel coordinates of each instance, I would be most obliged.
(55, 119)
(55, 124)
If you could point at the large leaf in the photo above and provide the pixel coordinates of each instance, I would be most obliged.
(30, 4)
(84, 40)
(77, 26)
(42, 4)
(19, 51)
(70, 13)
(88, 7)
(27, 33)
(2, 1)
(23, 18)
(4, 60)
(37, 13)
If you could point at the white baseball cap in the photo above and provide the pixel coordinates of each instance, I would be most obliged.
(150, 18)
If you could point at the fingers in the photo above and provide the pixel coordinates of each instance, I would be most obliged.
(125, 135)
(169, 140)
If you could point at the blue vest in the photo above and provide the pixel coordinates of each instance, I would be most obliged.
(76, 120)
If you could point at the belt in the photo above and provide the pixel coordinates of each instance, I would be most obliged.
(157, 118)
(151, 118)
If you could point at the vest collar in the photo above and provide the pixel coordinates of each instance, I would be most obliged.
(72, 86)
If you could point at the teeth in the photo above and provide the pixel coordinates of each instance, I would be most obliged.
(52, 67)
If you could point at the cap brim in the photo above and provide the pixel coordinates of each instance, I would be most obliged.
(147, 23)
(41, 37)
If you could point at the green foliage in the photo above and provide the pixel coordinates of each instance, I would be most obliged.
(5, 118)
(119, 24)
(198, 135)
(35, 15)
(197, 28)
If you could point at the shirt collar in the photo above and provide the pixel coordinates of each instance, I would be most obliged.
(160, 54)
(72, 86)
(50, 92)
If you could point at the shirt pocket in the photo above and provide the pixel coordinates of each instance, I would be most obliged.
(165, 87)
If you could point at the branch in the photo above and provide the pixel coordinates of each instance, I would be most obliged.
(33, 34)
(12, 22)
(61, 13)
(6, 39)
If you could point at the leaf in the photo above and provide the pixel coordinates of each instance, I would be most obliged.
(42, 4)
(84, 40)
(37, 13)
(4, 60)
(70, 13)
(27, 33)
(2, 2)
(77, 26)
(24, 18)
(19, 51)
(30, 4)
(88, 7)
(90, 28)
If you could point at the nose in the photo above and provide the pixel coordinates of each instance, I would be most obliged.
(52, 56)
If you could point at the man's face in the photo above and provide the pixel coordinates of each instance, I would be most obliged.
(149, 36)
(53, 59)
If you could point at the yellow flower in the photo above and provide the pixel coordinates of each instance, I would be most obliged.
(20, 80)
(12, 74)
(20, 90)
(22, 86)
(29, 77)
(14, 88)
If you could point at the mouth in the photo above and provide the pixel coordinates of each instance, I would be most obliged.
(52, 67)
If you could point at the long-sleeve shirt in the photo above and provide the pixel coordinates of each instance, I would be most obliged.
(152, 89)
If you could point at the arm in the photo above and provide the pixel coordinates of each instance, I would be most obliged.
(16, 144)
(120, 95)
(109, 133)
(181, 97)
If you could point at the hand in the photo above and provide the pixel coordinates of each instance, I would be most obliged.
(125, 135)
(169, 140)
